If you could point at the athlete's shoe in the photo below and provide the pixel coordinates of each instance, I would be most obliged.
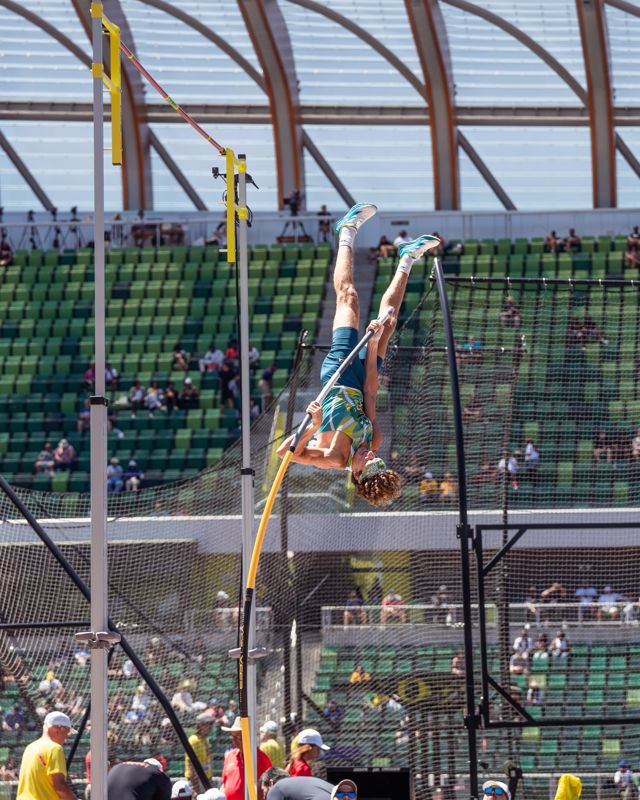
(418, 247)
(356, 216)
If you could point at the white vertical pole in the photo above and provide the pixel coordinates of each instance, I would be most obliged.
(247, 474)
(99, 613)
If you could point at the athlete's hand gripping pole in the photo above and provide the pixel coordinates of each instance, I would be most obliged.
(255, 558)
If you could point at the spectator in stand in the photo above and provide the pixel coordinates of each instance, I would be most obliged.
(555, 593)
(508, 468)
(632, 257)
(519, 663)
(179, 359)
(309, 746)
(586, 596)
(560, 646)
(401, 238)
(154, 398)
(631, 612)
(634, 236)
(212, 359)
(324, 231)
(45, 461)
(170, 397)
(89, 378)
(111, 377)
(9, 770)
(440, 248)
(115, 482)
(540, 648)
(218, 235)
(635, 446)
(535, 695)
(441, 603)
(472, 412)
(592, 332)
(6, 253)
(572, 241)
(375, 592)
(84, 416)
(602, 447)
(254, 357)
(202, 748)
(64, 456)
(531, 459)
(266, 386)
(232, 353)
(608, 601)
(136, 396)
(471, 351)
(354, 612)
(623, 780)
(228, 385)
(552, 242)
(448, 488)
(532, 604)
(359, 675)
(485, 475)
(14, 720)
(429, 491)
(392, 608)
(189, 396)
(182, 700)
(523, 642)
(458, 664)
(385, 248)
(510, 314)
(233, 769)
(132, 477)
(332, 712)
(43, 771)
(270, 745)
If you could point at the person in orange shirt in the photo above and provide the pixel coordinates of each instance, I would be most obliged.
(233, 769)
(309, 746)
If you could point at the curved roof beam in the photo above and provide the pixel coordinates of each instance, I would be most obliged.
(137, 191)
(623, 5)
(212, 36)
(270, 38)
(594, 38)
(430, 37)
(25, 173)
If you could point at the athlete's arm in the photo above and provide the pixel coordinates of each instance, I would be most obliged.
(61, 787)
(316, 420)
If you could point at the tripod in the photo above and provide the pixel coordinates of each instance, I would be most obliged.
(30, 233)
(73, 231)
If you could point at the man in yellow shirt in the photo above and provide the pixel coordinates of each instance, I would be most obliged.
(270, 745)
(202, 748)
(43, 771)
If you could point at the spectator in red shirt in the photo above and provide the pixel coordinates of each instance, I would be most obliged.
(233, 770)
(309, 746)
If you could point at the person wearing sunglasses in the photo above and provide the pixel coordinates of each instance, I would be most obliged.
(345, 790)
(275, 784)
(496, 789)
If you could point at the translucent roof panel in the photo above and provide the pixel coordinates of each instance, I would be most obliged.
(195, 157)
(539, 168)
(628, 181)
(186, 64)
(490, 67)
(335, 66)
(475, 192)
(366, 160)
(624, 55)
(68, 181)
(34, 66)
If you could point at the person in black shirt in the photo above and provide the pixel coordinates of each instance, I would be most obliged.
(134, 780)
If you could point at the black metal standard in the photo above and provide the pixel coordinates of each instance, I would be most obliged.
(84, 590)
(24, 626)
(463, 530)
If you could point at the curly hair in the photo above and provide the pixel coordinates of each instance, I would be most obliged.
(380, 489)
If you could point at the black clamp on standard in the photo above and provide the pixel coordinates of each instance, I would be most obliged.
(96, 400)
(247, 471)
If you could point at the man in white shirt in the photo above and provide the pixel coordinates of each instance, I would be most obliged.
(401, 238)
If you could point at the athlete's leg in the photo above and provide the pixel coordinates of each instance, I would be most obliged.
(394, 295)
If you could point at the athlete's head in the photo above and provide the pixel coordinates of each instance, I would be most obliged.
(373, 481)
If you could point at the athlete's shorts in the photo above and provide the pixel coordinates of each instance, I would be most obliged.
(342, 343)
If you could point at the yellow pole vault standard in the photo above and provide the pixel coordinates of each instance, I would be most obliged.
(233, 163)
(257, 550)
(113, 83)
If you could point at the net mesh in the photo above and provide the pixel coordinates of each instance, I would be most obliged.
(361, 608)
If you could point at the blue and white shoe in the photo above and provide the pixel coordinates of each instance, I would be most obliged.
(418, 247)
(356, 216)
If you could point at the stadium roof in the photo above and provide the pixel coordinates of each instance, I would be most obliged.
(415, 104)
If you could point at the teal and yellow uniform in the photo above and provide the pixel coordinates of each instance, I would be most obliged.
(343, 410)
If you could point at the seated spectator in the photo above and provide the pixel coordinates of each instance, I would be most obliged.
(229, 385)
(560, 646)
(154, 398)
(254, 357)
(89, 378)
(136, 396)
(218, 235)
(255, 410)
(535, 694)
(632, 257)
(385, 248)
(392, 609)
(472, 412)
(439, 249)
(324, 224)
(265, 385)
(401, 238)
(540, 648)
(112, 418)
(586, 597)
(411, 470)
(631, 612)
(9, 770)
(523, 641)
(458, 664)
(84, 416)
(182, 699)
(429, 491)
(211, 360)
(635, 446)
(575, 333)
(634, 237)
(189, 396)
(592, 332)
(359, 675)
(441, 603)
(608, 601)
(555, 593)
(623, 781)
(448, 488)
(45, 460)
(551, 242)
(14, 719)
(179, 359)
(508, 469)
(572, 241)
(531, 457)
(332, 712)
(485, 475)
(6, 253)
(64, 456)
(170, 397)
(472, 351)
(132, 477)
(232, 353)
(531, 604)
(602, 448)
(510, 315)
(115, 482)
(354, 612)
(111, 377)
(519, 663)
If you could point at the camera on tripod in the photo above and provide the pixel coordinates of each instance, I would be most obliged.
(293, 201)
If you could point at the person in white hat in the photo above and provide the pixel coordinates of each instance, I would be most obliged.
(345, 790)
(181, 789)
(43, 771)
(212, 794)
(308, 749)
(139, 780)
(493, 788)
(233, 769)
(270, 744)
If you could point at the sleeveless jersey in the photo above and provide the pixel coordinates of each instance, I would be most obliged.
(343, 410)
